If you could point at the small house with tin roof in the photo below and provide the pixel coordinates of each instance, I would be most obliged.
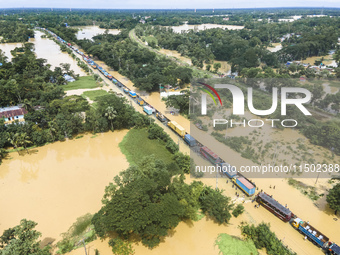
(13, 113)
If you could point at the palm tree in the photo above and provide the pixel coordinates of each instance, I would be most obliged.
(51, 128)
(14, 140)
(3, 154)
(24, 140)
(111, 114)
(27, 105)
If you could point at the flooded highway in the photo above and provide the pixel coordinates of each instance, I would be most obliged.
(55, 184)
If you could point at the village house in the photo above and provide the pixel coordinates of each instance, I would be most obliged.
(13, 113)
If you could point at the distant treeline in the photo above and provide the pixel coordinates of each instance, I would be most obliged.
(247, 48)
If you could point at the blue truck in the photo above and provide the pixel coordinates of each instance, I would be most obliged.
(310, 232)
(190, 140)
(244, 184)
(148, 110)
(228, 170)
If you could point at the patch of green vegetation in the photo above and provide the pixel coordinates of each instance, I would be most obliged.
(94, 105)
(308, 191)
(329, 82)
(229, 245)
(79, 136)
(136, 145)
(121, 247)
(239, 209)
(199, 215)
(241, 144)
(263, 237)
(151, 40)
(81, 231)
(94, 94)
(84, 82)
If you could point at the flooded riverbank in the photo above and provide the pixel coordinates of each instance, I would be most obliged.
(275, 47)
(46, 49)
(7, 48)
(87, 32)
(64, 174)
(62, 181)
(186, 27)
(59, 182)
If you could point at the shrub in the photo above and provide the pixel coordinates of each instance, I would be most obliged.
(238, 210)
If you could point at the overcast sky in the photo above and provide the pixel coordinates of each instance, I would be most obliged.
(172, 4)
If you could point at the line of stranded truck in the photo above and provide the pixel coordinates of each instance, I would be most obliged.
(310, 233)
(243, 183)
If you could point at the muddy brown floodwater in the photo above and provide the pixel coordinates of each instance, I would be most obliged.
(87, 32)
(7, 47)
(46, 49)
(57, 183)
(200, 236)
(186, 27)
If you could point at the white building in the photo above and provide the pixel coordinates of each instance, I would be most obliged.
(13, 113)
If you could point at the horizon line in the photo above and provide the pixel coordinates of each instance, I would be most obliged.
(237, 8)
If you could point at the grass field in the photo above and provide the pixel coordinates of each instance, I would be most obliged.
(229, 245)
(84, 82)
(150, 39)
(136, 145)
(94, 94)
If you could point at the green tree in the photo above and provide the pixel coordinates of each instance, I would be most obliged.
(145, 201)
(120, 247)
(3, 154)
(215, 205)
(238, 210)
(217, 66)
(333, 198)
(15, 141)
(52, 129)
(22, 240)
(264, 238)
(336, 57)
(180, 102)
(110, 114)
(24, 140)
(183, 161)
(27, 105)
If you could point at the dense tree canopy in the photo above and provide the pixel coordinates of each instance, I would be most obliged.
(22, 240)
(147, 201)
(333, 198)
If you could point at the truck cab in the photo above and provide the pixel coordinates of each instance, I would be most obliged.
(333, 249)
(296, 222)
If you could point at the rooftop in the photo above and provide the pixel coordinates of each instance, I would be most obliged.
(12, 111)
